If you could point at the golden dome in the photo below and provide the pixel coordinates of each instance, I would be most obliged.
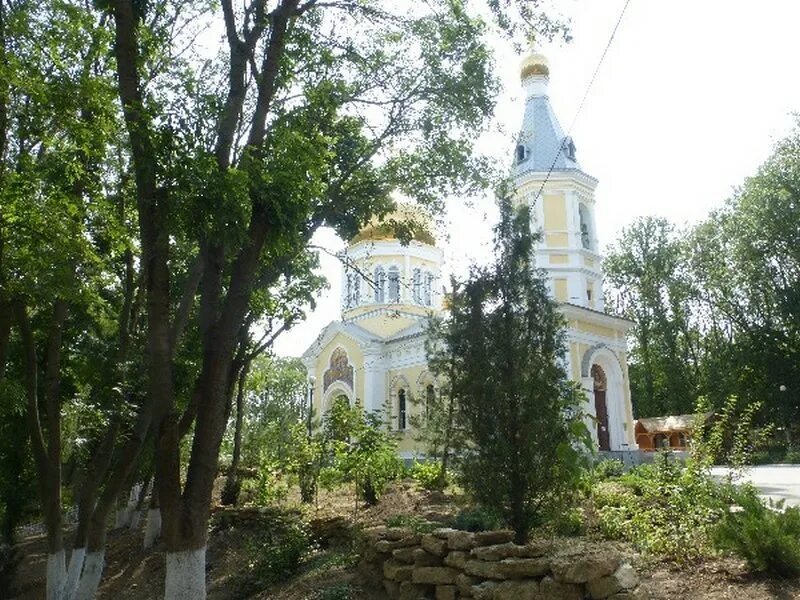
(534, 64)
(406, 221)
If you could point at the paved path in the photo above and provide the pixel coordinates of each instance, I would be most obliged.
(779, 482)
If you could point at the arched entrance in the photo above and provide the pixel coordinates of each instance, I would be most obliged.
(601, 406)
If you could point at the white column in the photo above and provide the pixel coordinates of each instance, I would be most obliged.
(374, 382)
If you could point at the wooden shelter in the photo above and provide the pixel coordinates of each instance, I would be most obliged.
(671, 432)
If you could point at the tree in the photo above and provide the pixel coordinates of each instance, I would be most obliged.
(647, 270)
(504, 346)
(315, 115)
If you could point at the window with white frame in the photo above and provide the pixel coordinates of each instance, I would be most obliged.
(427, 294)
(380, 285)
(401, 409)
(416, 283)
(394, 284)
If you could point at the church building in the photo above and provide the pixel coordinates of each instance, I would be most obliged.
(376, 353)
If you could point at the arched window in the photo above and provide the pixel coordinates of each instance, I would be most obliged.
(586, 227)
(430, 398)
(401, 409)
(394, 284)
(416, 286)
(522, 153)
(380, 285)
(352, 289)
(427, 294)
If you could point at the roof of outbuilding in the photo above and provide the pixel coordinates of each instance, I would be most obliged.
(670, 423)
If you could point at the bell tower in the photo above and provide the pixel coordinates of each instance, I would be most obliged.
(549, 178)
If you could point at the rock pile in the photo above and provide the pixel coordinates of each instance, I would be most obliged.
(448, 564)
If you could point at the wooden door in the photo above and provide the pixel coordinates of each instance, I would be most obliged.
(602, 419)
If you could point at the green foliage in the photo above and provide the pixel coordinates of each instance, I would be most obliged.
(665, 508)
(478, 518)
(502, 350)
(413, 522)
(360, 448)
(569, 522)
(608, 468)
(277, 552)
(767, 537)
(339, 591)
(427, 474)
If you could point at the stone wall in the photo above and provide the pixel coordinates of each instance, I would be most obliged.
(449, 564)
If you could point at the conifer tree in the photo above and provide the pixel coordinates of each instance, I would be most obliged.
(503, 345)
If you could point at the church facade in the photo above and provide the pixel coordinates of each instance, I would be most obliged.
(376, 353)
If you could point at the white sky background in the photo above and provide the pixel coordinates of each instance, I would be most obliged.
(689, 101)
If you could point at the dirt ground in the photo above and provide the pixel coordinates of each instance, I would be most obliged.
(133, 574)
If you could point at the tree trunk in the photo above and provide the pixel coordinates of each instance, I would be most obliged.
(230, 494)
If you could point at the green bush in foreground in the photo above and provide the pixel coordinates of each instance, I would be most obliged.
(665, 508)
(767, 537)
(477, 518)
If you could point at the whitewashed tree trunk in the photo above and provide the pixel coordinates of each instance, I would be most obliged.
(186, 575)
(74, 572)
(56, 575)
(136, 519)
(152, 530)
(92, 572)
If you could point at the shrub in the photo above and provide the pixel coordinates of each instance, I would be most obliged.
(569, 522)
(276, 550)
(477, 518)
(608, 468)
(427, 474)
(339, 591)
(665, 508)
(792, 456)
(413, 522)
(767, 537)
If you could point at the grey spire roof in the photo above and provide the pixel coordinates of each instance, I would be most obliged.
(544, 143)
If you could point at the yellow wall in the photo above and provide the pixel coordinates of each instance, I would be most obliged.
(559, 259)
(356, 360)
(386, 325)
(555, 213)
(556, 240)
(598, 330)
(560, 289)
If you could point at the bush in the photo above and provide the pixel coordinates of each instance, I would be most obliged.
(276, 550)
(792, 456)
(767, 537)
(477, 518)
(665, 508)
(608, 468)
(413, 522)
(427, 474)
(569, 522)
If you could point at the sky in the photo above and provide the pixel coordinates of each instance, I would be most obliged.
(689, 101)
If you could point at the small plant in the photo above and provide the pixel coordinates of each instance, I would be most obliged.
(413, 522)
(427, 474)
(569, 522)
(339, 591)
(767, 537)
(609, 468)
(477, 519)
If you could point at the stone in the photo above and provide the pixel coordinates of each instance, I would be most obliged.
(629, 595)
(375, 533)
(464, 583)
(392, 588)
(397, 533)
(460, 540)
(422, 558)
(404, 555)
(387, 546)
(624, 578)
(446, 592)
(434, 545)
(482, 568)
(580, 568)
(525, 589)
(397, 571)
(515, 568)
(550, 589)
(413, 591)
(434, 575)
(443, 532)
(495, 552)
(488, 538)
(484, 591)
(456, 559)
